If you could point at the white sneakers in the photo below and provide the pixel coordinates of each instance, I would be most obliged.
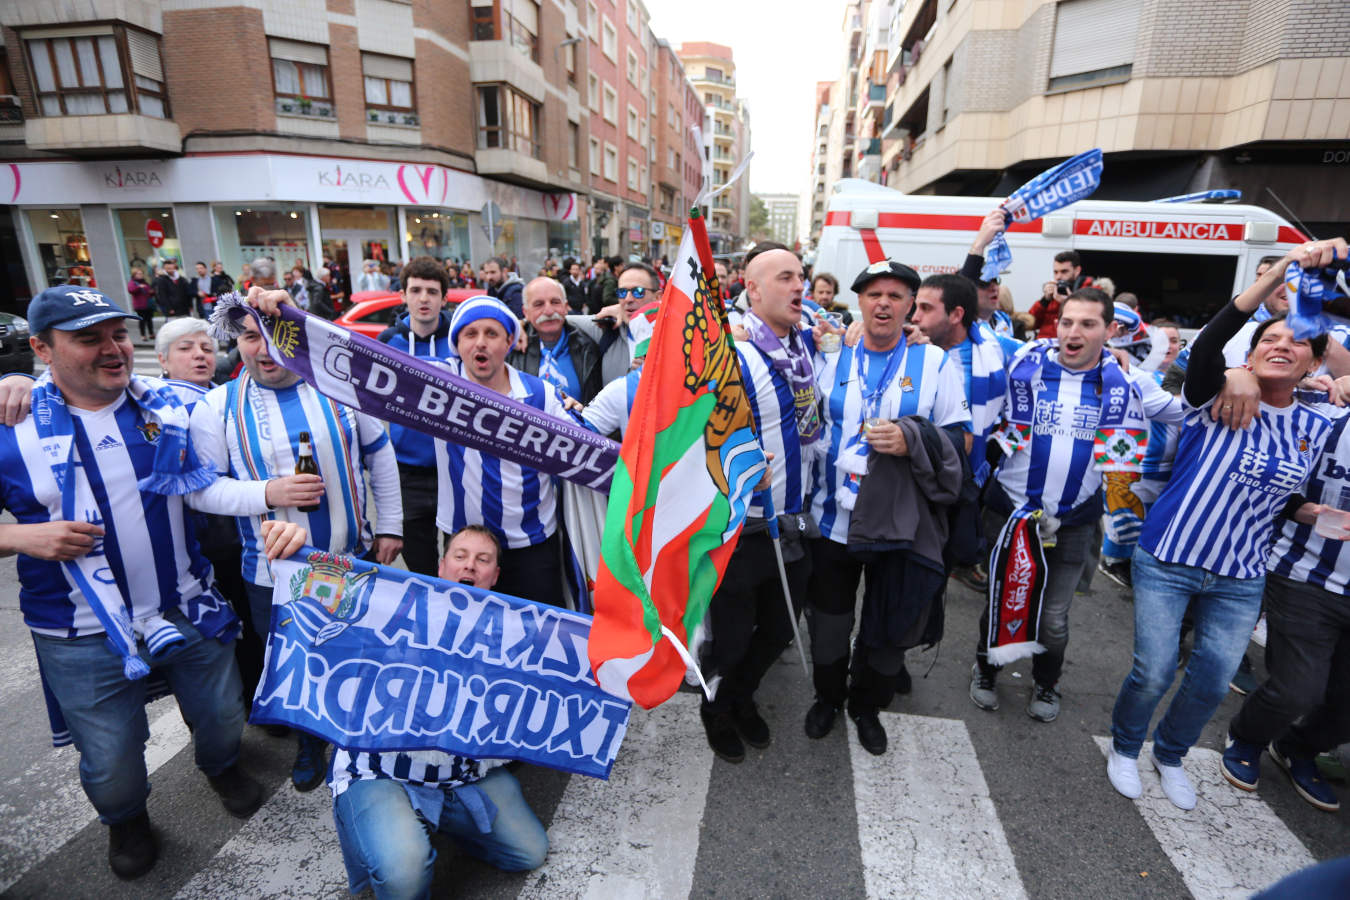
(1176, 784)
(1124, 774)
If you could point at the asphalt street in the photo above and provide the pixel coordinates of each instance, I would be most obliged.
(964, 804)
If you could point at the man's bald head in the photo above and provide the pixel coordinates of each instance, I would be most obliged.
(545, 307)
(774, 283)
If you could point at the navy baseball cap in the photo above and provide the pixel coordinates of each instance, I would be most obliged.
(70, 307)
(886, 268)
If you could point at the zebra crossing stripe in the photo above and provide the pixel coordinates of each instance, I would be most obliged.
(59, 809)
(636, 835)
(926, 822)
(288, 848)
(1231, 845)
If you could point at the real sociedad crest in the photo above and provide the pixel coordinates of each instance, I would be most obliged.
(326, 597)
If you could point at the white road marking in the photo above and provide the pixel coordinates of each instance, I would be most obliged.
(1232, 844)
(637, 835)
(55, 808)
(288, 848)
(926, 822)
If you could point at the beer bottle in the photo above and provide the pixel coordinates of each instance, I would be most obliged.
(305, 465)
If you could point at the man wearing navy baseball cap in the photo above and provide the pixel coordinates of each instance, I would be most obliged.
(112, 584)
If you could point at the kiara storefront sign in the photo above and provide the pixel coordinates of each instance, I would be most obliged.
(350, 177)
(122, 179)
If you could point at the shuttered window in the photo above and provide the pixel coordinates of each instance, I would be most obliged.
(1093, 36)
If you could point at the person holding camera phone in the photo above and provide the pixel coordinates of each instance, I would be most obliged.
(1068, 277)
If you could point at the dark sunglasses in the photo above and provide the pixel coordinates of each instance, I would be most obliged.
(637, 292)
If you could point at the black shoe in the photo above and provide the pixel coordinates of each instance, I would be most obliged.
(239, 794)
(132, 847)
(820, 719)
(871, 735)
(1119, 572)
(722, 736)
(751, 725)
(311, 763)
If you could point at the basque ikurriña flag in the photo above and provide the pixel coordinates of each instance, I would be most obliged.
(679, 494)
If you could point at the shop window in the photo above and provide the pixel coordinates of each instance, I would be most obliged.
(133, 226)
(439, 233)
(97, 70)
(62, 246)
(300, 79)
(278, 232)
(390, 99)
(508, 120)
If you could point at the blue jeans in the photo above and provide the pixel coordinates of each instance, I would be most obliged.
(1225, 611)
(106, 712)
(386, 844)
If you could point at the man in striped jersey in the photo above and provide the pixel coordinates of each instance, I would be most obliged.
(110, 574)
(251, 428)
(748, 614)
(516, 503)
(1056, 431)
(385, 804)
(869, 385)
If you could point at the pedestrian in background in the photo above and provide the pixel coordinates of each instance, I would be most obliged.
(142, 301)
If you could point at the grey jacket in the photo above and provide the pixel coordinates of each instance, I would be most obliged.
(902, 501)
(615, 360)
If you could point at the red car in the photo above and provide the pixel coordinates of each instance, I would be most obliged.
(371, 312)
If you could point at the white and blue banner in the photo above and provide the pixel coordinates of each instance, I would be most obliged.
(1070, 181)
(377, 660)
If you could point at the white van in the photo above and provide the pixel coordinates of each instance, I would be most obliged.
(1183, 260)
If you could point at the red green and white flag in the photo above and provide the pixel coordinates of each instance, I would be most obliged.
(686, 473)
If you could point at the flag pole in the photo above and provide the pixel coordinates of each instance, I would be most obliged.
(766, 497)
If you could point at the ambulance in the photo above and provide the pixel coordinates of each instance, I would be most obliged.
(1183, 260)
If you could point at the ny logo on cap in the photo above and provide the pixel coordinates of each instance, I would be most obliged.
(93, 297)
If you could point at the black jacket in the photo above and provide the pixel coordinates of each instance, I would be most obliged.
(585, 356)
(601, 292)
(221, 284)
(175, 297)
(577, 294)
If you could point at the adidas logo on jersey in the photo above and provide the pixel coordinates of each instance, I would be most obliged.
(108, 443)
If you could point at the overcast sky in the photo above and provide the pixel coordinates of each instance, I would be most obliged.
(781, 50)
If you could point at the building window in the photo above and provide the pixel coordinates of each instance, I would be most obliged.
(611, 105)
(593, 92)
(670, 157)
(1080, 57)
(593, 21)
(595, 156)
(484, 20)
(632, 175)
(80, 71)
(520, 26)
(633, 123)
(508, 120)
(609, 40)
(300, 79)
(611, 163)
(711, 74)
(570, 62)
(573, 144)
(948, 91)
(389, 89)
(631, 15)
(632, 68)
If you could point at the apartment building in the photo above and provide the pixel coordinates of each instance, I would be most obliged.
(619, 99)
(782, 213)
(677, 166)
(726, 134)
(304, 130)
(811, 204)
(981, 95)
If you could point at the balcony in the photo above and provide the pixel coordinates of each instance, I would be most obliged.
(502, 62)
(870, 147)
(122, 132)
(876, 94)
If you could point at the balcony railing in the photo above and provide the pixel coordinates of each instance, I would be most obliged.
(876, 93)
(870, 147)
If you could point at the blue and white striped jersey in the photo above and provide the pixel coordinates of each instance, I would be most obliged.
(927, 383)
(1218, 510)
(1054, 469)
(253, 433)
(608, 411)
(152, 560)
(1300, 553)
(984, 372)
(517, 503)
(771, 401)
